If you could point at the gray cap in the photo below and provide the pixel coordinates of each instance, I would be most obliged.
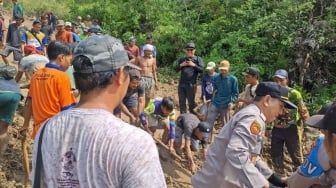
(190, 45)
(105, 52)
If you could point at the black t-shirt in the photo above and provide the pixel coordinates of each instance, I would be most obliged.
(189, 74)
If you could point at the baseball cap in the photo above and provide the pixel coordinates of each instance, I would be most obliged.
(281, 73)
(105, 52)
(67, 24)
(132, 38)
(224, 65)
(205, 128)
(325, 118)
(60, 23)
(211, 65)
(276, 91)
(251, 71)
(190, 45)
(135, 74)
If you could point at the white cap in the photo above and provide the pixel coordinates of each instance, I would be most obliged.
(148, 47)
(211, 65)
(67, 24)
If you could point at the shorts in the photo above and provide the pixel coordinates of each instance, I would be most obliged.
(157, 123)
(194, 143)
(130, 102)
(17, 53)
(147, 81)
(9, 102)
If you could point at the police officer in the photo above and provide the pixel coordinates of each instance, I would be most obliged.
(233, 158)
(194, 131)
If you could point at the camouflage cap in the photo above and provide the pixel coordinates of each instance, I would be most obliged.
(105, 52)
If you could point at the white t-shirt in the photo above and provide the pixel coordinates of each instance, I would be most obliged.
(93, 148)
(28, 62)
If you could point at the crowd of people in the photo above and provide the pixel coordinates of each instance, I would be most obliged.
(81, 82)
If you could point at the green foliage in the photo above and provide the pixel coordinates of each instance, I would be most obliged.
(261, 33)
(39, 7)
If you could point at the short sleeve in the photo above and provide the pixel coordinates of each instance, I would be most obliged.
(67, 99)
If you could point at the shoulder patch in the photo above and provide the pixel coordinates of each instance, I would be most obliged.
(255, 127)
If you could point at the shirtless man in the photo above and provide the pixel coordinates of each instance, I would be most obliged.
(147, 63)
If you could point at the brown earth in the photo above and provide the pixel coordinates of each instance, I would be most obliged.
(175, 168)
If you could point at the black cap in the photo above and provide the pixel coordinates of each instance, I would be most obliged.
(251, 71)
(325, 118)
(205, 128)
(105, 52)
(276, 91)
(190, 45)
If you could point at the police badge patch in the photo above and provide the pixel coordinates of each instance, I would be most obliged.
(255, 127)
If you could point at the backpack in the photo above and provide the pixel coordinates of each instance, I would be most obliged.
(7, 71)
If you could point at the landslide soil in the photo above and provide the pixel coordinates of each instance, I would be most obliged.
(176, 170)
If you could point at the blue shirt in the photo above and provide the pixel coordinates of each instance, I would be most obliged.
(207, 85)
(34, 41)
(226, 90)
(311, 166)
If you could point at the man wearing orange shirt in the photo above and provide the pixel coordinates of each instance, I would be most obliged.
(50, 88)
(62, 34)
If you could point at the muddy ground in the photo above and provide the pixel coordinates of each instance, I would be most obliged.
(175, 168)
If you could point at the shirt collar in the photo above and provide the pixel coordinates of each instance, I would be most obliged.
(54, 66)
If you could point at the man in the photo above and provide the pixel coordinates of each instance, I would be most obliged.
(233, 158)
(226, 94)
(252, 79)
(88, 146)
(17, 10)
(2, 31)
(327, 157)
(190, 66)
(132, 49)
(46, 28)
(36, 38)
(13, 40)
(207, 82)
(134, 101)
(148, 71)
(80, 23)
(194, 130)
(62, 34)
(288, 128)
(149, 40)
(10, 96)
(88, 21)
(51, 81)
(32, 62)
(316, 167)
(75, 37)
(160, 114)
(74, 27)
